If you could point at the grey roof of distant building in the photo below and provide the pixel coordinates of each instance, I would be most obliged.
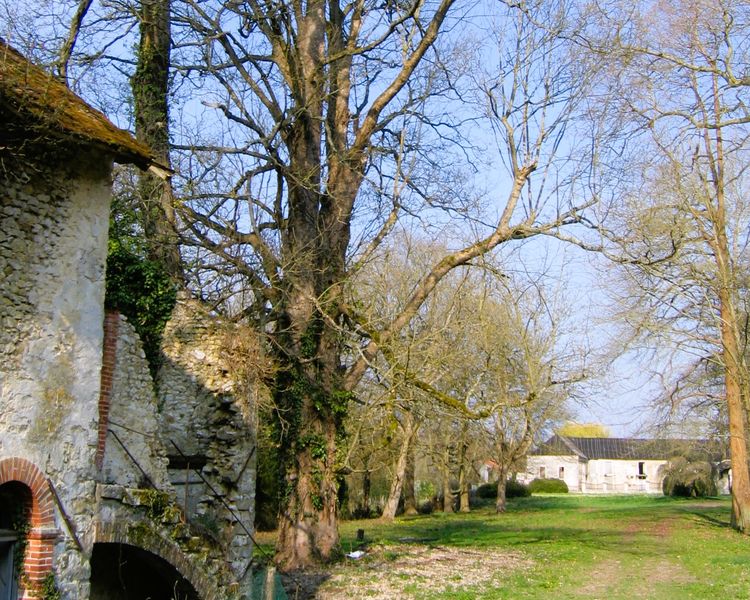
(625, 448)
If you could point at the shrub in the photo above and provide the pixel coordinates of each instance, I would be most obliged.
(548, 486)
(516, 489)
(487, 490)
(686, 478)
(513, 489)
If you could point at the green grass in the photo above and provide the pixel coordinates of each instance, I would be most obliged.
(585, 547)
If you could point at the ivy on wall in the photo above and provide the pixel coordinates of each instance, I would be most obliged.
(141, 290)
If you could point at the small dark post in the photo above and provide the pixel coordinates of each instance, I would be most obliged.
(360, 535)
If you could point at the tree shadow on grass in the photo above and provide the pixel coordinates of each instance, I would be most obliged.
(723, 523)
(303, 585)
(499, 533)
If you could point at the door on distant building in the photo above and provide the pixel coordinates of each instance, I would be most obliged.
(8, 590)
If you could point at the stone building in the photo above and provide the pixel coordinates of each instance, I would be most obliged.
(88, 453)
(615, 465)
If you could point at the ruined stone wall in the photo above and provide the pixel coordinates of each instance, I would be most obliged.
(53, 231)
(208, 414)
(134, 455)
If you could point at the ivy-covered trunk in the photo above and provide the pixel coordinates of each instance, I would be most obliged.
(308, 529)
(150, 86)
(310, 400)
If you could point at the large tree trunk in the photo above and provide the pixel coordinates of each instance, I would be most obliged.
(150, 85)
(394, 495)
(734, 364)
(410, 499)
(308, 530)
(736, 409)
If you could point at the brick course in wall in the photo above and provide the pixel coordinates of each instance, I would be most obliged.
(109, 357)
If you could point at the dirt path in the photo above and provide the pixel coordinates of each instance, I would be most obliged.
(403, 571)
(641, 575)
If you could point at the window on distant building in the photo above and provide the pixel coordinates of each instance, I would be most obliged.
(561, 473)
(542, 473)
(641, 470)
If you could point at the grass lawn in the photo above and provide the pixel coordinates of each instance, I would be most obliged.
(557, 547)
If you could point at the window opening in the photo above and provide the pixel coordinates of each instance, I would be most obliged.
(542, 473)
(641, 470)
(561, 473)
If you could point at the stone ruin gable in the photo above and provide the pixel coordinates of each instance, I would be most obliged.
(54, 219)
(53, 229)
(132, 434)
(208, 413)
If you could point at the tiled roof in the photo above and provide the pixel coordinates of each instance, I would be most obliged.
(625, 448)
(44, 106)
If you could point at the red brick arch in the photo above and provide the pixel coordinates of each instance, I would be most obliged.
(38, 559)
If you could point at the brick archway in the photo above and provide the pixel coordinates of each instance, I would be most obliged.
(38, 559)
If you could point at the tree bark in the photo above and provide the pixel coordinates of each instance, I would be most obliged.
(150, 85)
(308, 530)
(410, 499)
(463, 480)
(735, 368)
(366, 487)
(447, 488)
(734, 375)
(502, 480)
(464, 505)
(394, 495)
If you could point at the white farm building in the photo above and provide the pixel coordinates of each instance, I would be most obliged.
(612, 465)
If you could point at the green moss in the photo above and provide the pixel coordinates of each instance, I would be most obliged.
(159, 506)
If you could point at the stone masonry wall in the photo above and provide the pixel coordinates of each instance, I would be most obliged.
(53, 231)
(208, 415)
(132, 422)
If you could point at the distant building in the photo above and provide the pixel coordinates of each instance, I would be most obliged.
(613, 465)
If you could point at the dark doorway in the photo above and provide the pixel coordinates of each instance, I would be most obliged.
(8, 578)
(122, 572)
(15, 506)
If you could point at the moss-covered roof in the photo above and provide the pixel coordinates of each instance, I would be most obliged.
(45, 108)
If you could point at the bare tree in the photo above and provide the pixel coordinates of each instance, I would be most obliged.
(302, 133)
(680, 87)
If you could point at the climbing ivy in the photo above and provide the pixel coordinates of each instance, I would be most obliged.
(48, 589)
(21, 525)
(141, 290)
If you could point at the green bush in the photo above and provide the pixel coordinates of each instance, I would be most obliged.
(516, 489)
(513, 489)
(686, 478)
(487, 490)
(548, 486)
